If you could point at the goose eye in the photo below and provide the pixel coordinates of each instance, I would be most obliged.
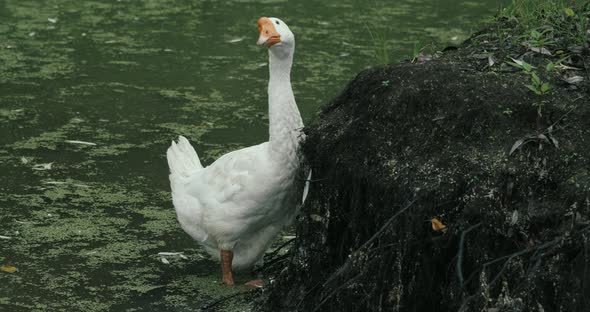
(277, 22)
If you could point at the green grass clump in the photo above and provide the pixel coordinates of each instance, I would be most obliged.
(550, 22)
(381, 47)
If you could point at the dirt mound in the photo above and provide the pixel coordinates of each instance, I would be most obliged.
(505, 170)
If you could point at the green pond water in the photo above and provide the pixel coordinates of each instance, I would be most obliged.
(83, 224)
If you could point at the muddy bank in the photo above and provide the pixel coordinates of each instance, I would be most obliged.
(460, 138)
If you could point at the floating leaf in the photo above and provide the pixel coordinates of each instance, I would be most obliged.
(42, 167)
(171, 254)
(7, 269)
(235, 40)
(438, 226)
(80, 142)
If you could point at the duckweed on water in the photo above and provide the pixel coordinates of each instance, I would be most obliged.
(130, 76)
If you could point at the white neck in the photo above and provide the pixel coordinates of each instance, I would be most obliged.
(284, 119)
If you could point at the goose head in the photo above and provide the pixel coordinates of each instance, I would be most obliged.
(275, 35)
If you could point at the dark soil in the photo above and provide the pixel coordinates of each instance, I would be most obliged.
(462, 140)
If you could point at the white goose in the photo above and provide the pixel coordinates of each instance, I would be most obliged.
(235, 206)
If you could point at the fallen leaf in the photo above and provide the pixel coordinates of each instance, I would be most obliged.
(516, 145)
(541, 50)
(514, 217)
(574, 79)
(519, 62)
(7, 269)
(438, 226)
(554, 141)
(491, 61)
(5, 237)
(543, 137)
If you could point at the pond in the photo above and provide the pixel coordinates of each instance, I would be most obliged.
(92, 93)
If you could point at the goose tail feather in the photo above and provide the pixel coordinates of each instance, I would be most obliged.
(182, 158)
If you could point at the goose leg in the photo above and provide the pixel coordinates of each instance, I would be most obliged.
(226, 258)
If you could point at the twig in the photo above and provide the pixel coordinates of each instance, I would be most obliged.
(518, 253)
(348, 262)
(587, 70)
(510, 257)
(312, 180)
(460, 255)
(560, 118)
(386, 225)
(282, 246)
(271, 263)
(277, 258)
(333, 292)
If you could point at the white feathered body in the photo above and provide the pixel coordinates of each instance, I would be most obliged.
(238, 203)
(242, 200)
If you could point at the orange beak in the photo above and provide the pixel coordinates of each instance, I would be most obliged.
(268, 33)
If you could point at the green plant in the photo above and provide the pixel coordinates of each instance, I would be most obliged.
(537, 85)
(538, 39)
(538, 21)
(381, 49)
(420, 49)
